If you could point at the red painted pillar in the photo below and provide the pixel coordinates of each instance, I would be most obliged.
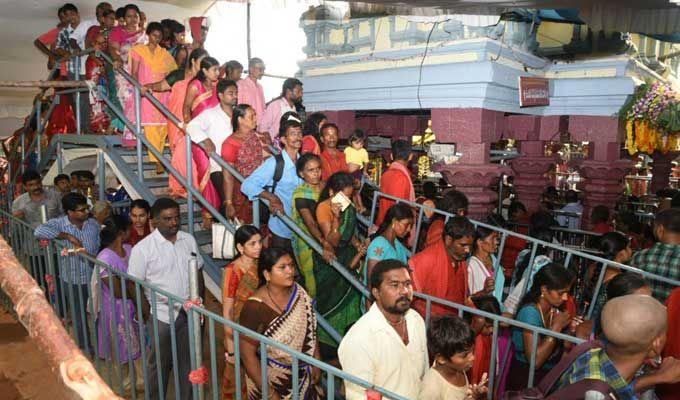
(472, 129)
(604, 172)
(345, 120)
(531, 167)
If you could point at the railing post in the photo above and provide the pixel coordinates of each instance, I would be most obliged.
(102, 174)
(38, 127)
(138, 133)
(198, 349)
(598, 287)
(374, 206)
(256, 213)
(60, 163)
(419, 224)
(190, 181)
(23, 152)
(76, 73)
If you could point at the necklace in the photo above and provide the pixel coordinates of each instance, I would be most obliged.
(269, 293)
(540, 311)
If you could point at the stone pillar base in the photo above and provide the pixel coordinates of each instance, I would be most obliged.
(531, 179)
(475, 181)
(603, 184)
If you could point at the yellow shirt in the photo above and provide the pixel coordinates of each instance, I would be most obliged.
(435, 387)
(373, 351)
(358, 157)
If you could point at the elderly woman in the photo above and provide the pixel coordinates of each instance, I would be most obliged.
(281, 310)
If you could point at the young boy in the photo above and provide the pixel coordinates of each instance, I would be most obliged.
(451, 343)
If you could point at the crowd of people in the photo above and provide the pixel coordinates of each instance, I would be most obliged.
(277, 280)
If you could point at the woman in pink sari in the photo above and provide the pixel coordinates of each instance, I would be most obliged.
(177, 82)
(121, 40)
(201, 95)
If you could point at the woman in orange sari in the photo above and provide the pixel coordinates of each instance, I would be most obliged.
(152, 63)
(240, 282)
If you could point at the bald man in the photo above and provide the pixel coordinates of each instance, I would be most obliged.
(635, 330)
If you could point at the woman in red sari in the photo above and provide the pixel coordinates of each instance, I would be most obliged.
(310, 139)
(202, 95)
(245, 151)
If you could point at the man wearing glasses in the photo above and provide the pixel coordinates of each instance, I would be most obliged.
(75, 272)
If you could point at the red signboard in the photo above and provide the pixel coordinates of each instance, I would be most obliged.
(533, 92)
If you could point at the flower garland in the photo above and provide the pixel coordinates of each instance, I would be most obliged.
(652, 119)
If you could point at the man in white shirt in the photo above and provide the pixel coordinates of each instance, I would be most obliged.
(213, 126)
(387, 346)
(291, 94)
(71, 40)
(162, 260)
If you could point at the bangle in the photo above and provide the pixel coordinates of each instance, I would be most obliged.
(228, 202)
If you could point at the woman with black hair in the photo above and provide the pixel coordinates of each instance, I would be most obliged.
(387, 241)
(281, 310)
(152, 63)
(112, 324)
(485, 276)
(336, 298)
(540, 307)
(615, 246)
(310, 138)
(240, 282)
(305, 198)
(202, 91)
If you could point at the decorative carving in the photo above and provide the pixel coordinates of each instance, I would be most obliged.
(531, 179)
(475, 180)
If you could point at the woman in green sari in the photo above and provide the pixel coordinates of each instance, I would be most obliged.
(337, 300)
(305, 198)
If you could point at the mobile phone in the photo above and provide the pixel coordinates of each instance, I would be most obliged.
(341, 199)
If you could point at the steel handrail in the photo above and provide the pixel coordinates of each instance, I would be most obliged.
(549, 245)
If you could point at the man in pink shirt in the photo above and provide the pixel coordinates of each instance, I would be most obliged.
(291, 94)
(249, 91)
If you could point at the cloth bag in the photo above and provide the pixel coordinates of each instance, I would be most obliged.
(223, 245)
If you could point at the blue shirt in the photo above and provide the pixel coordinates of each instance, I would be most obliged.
(77, 270)
(596, 364)
(263, 177)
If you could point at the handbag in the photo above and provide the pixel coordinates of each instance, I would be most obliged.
(223, 245)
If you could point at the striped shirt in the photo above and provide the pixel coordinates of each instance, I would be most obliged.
(76, 269)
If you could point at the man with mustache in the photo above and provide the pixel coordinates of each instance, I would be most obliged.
(387, 346)
(441, 269)
(162, 259)
(27, 206)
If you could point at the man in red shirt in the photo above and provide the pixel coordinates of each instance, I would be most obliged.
(453, 202)
(441, 269)
(47, 41)
(396, 181)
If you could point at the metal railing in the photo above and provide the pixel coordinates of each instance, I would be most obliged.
(187, 183)
(558, 252)
(50, 261)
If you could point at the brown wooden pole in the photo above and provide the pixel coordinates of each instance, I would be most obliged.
(43, 326)
(43, 84)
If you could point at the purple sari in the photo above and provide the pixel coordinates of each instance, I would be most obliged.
(112, 313)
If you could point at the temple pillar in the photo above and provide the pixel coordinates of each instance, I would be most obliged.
(603, 183)
(472, 130)
(531, 167)
(345, 120)
(604, 172)
(661, 170)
